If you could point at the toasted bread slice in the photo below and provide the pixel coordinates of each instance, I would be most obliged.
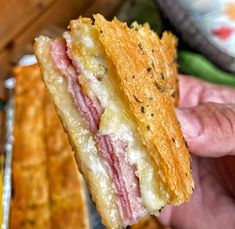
(160, 133)
(137, 105)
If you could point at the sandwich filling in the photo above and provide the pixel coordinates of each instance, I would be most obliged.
(112, 148)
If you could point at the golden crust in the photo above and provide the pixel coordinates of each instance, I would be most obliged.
(168, 49)
(105, 203)
(30, 202)
(161, 55)
(23, 86)
(67, 213)
(57, 143)
(30, 185)
(157, 125)
(29, 146)
(64, 178)
(30, 218)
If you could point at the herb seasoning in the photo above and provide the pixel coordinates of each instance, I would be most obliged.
(141, 47)
(185, 142)
(137, 100)
(159, 87)
(173, 94)
(149, 69)
(142, 109)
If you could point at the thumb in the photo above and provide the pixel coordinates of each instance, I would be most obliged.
(209, 129)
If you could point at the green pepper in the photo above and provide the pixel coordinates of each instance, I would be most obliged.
(197, 65)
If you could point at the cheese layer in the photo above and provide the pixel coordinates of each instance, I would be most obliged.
(97, 79)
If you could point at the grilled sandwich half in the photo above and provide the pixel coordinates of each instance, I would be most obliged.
(115, 88)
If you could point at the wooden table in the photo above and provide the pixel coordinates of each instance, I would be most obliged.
(21, 21)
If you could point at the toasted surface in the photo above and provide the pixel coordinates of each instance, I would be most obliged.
(44, 168)
(160, 132)
(30, 218)
(64, 178)
(89, 162)
(30, 185)
(162, 57)
(29, 122)
(57, 143)
(169, 51)
(30, 203)
(66, 213)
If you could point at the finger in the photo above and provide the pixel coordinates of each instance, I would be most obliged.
(194, 91)
(165, 216)
(209, 129)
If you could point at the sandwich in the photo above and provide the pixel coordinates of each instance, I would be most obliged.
(30, 207)
(114, 88)
(48, 191)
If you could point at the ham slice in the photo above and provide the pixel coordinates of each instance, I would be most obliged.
(82, 102)
(124, 178)
(112, 150)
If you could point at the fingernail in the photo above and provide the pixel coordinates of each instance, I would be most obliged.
(190, 124)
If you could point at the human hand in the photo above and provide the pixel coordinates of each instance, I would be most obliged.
(207, 118)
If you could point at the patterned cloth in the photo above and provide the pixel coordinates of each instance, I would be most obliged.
(216, 18)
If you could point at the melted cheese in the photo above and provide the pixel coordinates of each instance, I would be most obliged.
(85, 143)
(115, 120)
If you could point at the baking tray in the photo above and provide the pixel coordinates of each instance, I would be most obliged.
(8, 150)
